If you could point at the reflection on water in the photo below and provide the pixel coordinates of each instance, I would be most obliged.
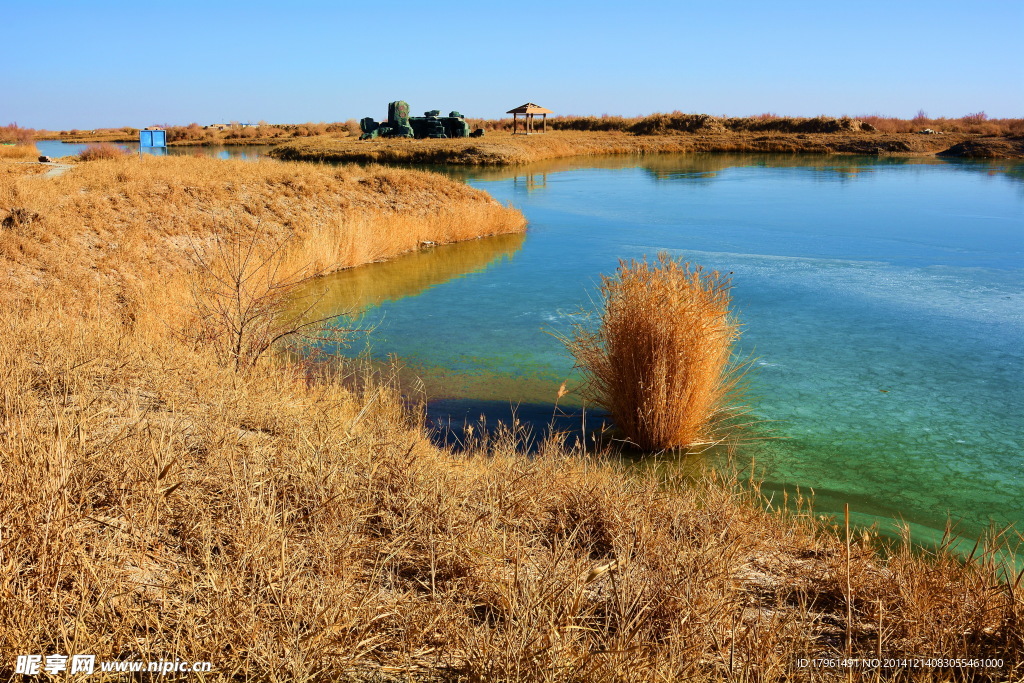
(349, 292)
(530, 181)
(56, 148)
(695, 167)
(883, 297)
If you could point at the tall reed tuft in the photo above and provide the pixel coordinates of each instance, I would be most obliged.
(660, 360)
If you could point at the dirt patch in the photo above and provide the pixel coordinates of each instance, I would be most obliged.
(988, 148)
(874, 146)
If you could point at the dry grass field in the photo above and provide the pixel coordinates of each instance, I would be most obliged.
(503, 148)
(292, 522)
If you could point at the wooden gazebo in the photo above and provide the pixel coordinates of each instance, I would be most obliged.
(529, 110)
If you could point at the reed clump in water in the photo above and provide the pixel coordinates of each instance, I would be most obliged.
(659, 361)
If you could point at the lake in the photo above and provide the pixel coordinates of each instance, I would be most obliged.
(56, 148)
(883, 300)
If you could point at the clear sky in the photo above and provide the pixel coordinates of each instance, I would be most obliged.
(99, 64)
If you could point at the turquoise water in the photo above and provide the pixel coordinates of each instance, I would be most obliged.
(883, 299)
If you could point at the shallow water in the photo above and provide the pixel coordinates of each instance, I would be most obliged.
(56, 148)
(883, 299)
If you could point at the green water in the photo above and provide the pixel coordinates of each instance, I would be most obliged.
(882, 298)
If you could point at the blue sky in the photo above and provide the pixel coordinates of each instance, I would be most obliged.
(99, 64)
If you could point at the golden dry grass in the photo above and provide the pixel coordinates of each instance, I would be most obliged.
(288, 525)
(124, 222)
(659, 358)
(499, 148)
(102, 150)
(18, 152)
(503, 148)
(977, 124)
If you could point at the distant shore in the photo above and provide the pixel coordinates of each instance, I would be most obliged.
(972, 136)
(502, 148)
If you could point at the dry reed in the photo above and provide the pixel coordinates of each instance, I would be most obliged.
(103, 150)
(659, 360)
(109, 226)
(502, 148)
(288, 525)
(18, 151)
(677, 121)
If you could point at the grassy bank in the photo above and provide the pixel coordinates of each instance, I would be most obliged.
(501, 148)
(127, 222)
(286, 524)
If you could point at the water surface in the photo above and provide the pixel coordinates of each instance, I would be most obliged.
(882, 298)
(56, 148)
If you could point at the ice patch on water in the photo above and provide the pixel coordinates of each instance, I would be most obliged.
(907, 376)
(979, 294)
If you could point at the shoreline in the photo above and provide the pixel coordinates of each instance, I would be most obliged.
(99, 139)
(500, 148)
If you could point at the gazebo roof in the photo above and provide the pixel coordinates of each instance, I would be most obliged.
(529, 108)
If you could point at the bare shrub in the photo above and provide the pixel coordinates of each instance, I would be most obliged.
(17, 142)
(678, 122)
(352, 127)
(600, 123)
(243, 301)
(12, 133)
(660, 361)
(193, 132)
(102, 151)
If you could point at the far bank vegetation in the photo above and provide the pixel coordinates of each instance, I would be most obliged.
(975, 135)
(233, 133)
(16, 143)
(661, 123)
